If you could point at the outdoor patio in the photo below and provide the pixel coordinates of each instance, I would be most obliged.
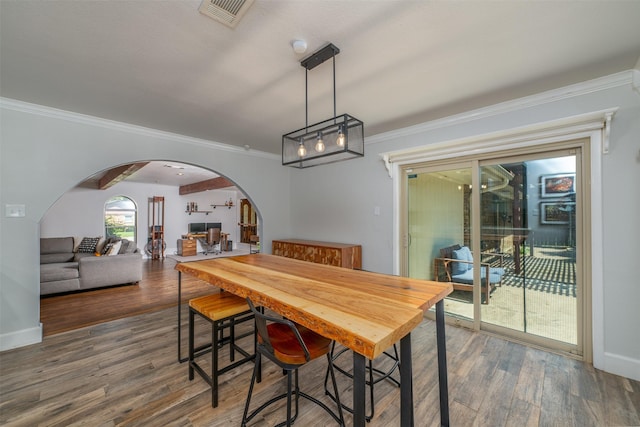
(540, 300)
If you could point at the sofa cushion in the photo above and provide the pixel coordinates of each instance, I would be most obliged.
(58, 271)
(55, 258)
(54, 245)
(58, 286)
(79, 255)
(88, 245)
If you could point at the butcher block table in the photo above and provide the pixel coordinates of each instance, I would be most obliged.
(366, 312)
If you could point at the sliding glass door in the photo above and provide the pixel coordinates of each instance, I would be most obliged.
(528, 230)
(439, 207)
(506, 232)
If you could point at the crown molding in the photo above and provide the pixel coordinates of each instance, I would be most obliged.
(50, 112)
(629, 77)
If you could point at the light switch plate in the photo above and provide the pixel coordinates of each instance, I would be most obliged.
(14, 211)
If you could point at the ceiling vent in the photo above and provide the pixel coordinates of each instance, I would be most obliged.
(229, 12)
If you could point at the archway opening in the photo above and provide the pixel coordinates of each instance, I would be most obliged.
(114, 203)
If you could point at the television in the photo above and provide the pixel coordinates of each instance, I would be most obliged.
(197, 227)
(214, 225)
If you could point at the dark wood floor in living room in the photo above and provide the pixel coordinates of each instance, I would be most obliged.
(125, 373)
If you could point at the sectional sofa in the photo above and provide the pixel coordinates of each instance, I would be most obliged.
(65, 268)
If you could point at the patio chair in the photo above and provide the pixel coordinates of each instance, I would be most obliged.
(455, 265)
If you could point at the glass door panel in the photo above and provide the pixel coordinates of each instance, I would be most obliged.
(439, 216)
(528, 246)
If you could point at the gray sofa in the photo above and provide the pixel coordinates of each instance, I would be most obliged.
(63, 270)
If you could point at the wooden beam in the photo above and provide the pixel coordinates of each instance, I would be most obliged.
(209, 184)
(115, 175)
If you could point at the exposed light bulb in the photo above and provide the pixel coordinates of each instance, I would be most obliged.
(301, 150)
(341, 138)
(320, 143)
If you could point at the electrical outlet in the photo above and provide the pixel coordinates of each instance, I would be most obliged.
(14, 211)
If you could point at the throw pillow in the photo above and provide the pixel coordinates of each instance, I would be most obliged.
(101, 244)
(106, 249)
(115, 248)
(124, 246)
(463, 254)
(88, 245)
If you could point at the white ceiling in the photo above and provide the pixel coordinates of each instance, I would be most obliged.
(163, 65)
(171, 173)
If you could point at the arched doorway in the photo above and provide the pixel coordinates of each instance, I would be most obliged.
(82, 211)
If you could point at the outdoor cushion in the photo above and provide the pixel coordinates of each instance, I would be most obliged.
(463, 254)
(467, 277)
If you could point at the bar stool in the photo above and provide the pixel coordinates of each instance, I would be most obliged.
(289, 346)
(223, 311)
(380, 375)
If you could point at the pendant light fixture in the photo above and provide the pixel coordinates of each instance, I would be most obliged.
(338, 138)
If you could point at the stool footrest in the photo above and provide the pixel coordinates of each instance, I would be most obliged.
(223, 311)
(370, 381)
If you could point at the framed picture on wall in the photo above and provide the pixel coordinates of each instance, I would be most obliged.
(556, 212)
(558, 185)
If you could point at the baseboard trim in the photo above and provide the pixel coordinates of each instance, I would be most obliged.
(21, 338)
(621, 365)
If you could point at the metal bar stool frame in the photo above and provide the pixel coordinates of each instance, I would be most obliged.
(371, 381)
(218, 340)
(264, 348)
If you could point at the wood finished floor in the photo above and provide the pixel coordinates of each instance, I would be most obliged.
(157, 290)
(125, 373)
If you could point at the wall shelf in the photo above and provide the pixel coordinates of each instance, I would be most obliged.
(204, 212)
(223, 206)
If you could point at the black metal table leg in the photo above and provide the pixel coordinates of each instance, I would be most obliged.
(180, 358)
(406, 382)
(442, 365)
(358, 389)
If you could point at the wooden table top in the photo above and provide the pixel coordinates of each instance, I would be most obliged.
(366, 312)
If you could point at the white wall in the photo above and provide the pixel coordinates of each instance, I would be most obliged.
(336, 202)
(44, 153)
(80, 212)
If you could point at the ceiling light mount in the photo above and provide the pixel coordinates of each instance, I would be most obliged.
(299, 46)
(338, 138)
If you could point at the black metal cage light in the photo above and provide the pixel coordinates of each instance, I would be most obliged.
(338, 138)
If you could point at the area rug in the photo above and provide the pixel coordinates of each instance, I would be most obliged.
(200, 256)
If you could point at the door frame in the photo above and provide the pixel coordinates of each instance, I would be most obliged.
(593, 128)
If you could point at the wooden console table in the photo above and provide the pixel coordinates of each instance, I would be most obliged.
(337, 254)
